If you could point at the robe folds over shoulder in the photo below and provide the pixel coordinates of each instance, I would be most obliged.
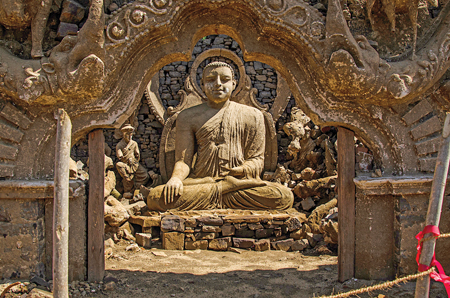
(235, 136)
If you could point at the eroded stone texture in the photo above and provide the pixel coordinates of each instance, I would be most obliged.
(173, 241)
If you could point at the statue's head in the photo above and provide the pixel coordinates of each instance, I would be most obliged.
(218, 81)
(127, 131)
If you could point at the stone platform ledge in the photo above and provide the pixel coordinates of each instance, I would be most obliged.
(396, 185)
(32, 189)
(227, 229)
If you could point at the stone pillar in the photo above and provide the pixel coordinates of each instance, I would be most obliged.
(390, 212)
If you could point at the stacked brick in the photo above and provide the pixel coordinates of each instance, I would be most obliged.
(223, 232)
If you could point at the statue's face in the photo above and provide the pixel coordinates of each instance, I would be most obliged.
(218, 83)
(127, 135)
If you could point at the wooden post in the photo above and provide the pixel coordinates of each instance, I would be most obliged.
(96, 255)
(435, 207)
(346, 204)
(61, 206)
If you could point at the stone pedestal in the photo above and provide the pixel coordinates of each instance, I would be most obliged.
(223, 229)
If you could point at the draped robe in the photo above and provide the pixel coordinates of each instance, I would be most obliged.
(233, 137)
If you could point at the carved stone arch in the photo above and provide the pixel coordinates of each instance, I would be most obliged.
(281, 36)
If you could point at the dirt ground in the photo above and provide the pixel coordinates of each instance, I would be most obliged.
(162, 273)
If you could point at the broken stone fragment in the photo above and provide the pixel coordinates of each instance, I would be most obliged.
(72, 12)
(293, 224)
(110, 182)
(144, 240)
(308, 204)
(73, 170)
(136, 208)
(284, 245)
(65, 29)
(133, 247)
(115, 212)
(308, 174)
(299, 245)
(319, 213)
(262, 245)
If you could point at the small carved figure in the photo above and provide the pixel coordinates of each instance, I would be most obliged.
(19, 14)
(129, 168)
(230, 142)
(296, 129)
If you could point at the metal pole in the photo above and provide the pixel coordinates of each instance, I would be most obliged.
(435, 207)
(61, 206)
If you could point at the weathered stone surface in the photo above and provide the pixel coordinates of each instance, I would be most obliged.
(426, 128)
(228, 230)
(242, 218)
(209, 229)
(314, 187)
(263, 233)
(39, 293)
(144, 240)
(199, 244)
(299, 245)
(282, 244)
(244, 232)
(330, 232)
(256, 226)
(146, 221)
(203, 235)
(319, 213)
(115, 212)
(110, 182)
(313, 239)
(172, 223)
(65, 29)
(262, 245)
(293, 224)
(308, 204)
(243, 242)
(190, 222)
(308, 174)
(136, 208)
(173, 240)
(210, 221)
(417, 112)
(220, 244)
(72, 12)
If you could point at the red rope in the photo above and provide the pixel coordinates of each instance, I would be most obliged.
(440, 274)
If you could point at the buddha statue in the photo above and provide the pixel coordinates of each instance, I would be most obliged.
(219, 154)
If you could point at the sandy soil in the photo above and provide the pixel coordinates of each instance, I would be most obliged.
(162, 273)
(228, 274)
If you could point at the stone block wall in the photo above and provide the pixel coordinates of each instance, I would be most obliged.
(233, 229)
(26, 230)
(22, 234)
